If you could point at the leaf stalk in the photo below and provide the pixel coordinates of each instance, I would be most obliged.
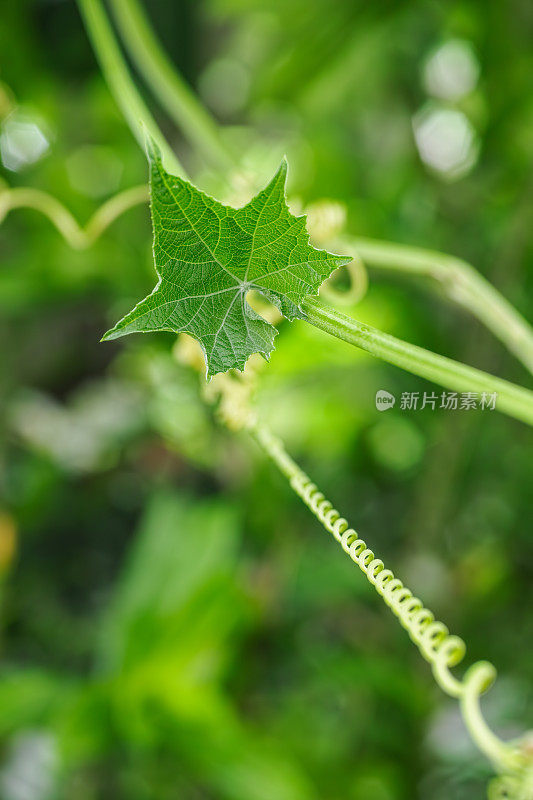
(120, 83)
(167, 84)
(511, 399)
(460, 281)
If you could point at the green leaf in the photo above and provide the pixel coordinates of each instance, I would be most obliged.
(208, 256)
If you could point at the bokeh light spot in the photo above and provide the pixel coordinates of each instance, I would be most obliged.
(22, 142)
(446, 141)
(224, 85)
(451, 71)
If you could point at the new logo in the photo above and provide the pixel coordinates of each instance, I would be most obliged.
(384, 400)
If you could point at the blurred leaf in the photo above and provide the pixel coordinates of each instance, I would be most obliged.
(177, 583)
(30, 698)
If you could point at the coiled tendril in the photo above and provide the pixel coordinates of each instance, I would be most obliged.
(440, 648)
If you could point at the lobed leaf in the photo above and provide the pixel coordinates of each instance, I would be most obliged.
(208, 256)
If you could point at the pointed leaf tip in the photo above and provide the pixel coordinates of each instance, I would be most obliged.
(209, 256)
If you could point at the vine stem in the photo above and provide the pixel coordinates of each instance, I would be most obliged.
(167, 84)
(511, 399)
(477, 679)
(120, 83)
(461, 282)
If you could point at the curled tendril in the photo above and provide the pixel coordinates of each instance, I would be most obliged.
(357, 288)
(433, 639)
(75, 235)
(440, 648)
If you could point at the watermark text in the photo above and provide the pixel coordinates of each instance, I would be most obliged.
(450, 401)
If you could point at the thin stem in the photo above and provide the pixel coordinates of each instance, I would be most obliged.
(43, 202)
(461, 282)
(511, 399)
(112, 209)
(74, 234)
(167, 84)
(119, 81)
(476, 681)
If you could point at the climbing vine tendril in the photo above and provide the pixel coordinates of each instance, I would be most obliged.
(440, 648)
(76, 236)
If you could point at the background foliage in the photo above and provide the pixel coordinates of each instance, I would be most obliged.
(174, 623)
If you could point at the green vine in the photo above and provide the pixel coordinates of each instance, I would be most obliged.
(512, 400)
(461, 282)
(173, 93)
(76, 236)
(120, 83)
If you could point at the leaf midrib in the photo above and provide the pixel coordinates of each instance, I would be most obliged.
(193, 227)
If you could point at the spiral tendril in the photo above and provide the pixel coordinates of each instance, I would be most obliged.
(437, 645)
(441, 649)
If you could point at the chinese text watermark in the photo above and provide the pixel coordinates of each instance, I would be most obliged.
(450, 401)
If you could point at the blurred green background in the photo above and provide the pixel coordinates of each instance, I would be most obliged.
(174, 623)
